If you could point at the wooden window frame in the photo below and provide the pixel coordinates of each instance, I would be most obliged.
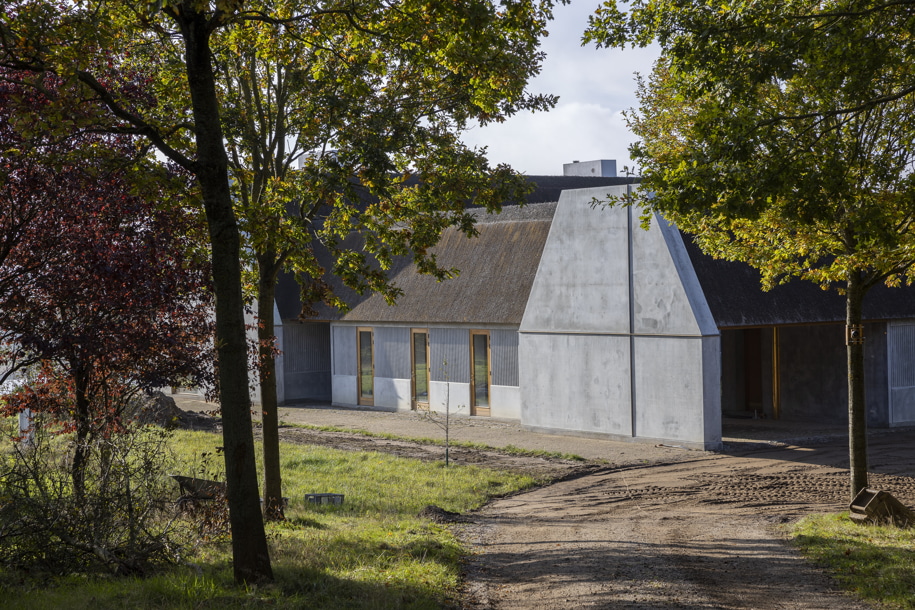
(474, 409)
(360, 399)
(415, 404)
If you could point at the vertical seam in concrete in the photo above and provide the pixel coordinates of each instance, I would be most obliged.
(333, 362)
(632, 359)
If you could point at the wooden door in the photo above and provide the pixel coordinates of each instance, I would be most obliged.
(480, 373)
(419, 369)
(366, 369)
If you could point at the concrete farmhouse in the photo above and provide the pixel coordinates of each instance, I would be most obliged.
(574, 320)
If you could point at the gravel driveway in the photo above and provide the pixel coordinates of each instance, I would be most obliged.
(700, 533)
(640, 525)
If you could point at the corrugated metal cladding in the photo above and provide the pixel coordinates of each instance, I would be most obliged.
(344, 350)
(449, 352)
(902, 355)
(392, 352)
(306, 347)
(504, 355)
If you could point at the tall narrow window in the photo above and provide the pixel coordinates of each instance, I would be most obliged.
(366, 366)
(420, 369)
(479, 372)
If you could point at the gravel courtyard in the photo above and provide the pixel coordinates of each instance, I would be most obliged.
(639, 525)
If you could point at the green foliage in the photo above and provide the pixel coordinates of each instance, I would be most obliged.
(343, 129)
(816, 198)
(780, 135)
(874, 562)
(371, 76)
(371, 552)
(365, 95)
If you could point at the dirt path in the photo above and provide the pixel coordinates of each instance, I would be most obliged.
(695, 534)
(541, 468)
(649, 526)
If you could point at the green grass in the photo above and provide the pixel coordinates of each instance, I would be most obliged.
(371, 552)
(507, 449)
(875, 563)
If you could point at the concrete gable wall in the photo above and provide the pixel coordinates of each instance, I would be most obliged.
(582, 281)
(667, 297)
(617, 339)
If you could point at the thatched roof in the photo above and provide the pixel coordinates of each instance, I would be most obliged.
(733, 292)
(496, 268)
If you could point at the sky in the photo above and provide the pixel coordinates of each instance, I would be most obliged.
(594, 87)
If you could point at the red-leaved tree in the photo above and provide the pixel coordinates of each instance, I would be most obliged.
(101, 287)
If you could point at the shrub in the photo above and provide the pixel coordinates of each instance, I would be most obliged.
(123, 522)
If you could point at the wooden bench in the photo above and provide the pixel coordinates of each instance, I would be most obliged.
(195, 490)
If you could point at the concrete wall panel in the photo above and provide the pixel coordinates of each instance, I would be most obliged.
(344, 390)
(661, 304)
(582, 283)
(392, 394)
(701, 314)
(506, 402)
(711, 399)
(455, 394)
(576, 382)
(670, 389)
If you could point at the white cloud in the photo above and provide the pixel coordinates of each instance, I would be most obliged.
(594, 87)
(538, 144)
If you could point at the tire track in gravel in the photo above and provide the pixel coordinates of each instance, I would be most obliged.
(694, 534)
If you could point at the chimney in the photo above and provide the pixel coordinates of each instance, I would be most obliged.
(603, 168)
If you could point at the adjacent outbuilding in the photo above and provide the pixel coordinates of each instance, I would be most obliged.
(571, 318)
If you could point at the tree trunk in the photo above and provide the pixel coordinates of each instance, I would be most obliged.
(857, 411)
(251, 560)
(266, 290)
(81, 421)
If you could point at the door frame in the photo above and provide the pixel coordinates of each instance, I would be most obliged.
(415, 404)
(360, 399)
(474, 409)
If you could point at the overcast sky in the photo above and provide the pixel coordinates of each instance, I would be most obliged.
(594, 86)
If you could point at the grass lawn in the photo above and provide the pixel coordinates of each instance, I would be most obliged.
(876, 563)
(371, 552)
(507, 449)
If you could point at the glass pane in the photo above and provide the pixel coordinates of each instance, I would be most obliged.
(480, 372)
(365, 364)
(420, 368)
